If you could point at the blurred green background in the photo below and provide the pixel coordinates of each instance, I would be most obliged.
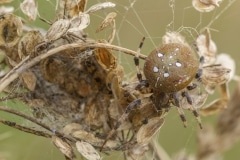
(136, 18)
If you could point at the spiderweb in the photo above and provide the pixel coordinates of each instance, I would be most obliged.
(153, 19)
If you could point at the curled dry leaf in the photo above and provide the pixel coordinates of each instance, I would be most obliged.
(29, 80)
(57, 30)
(10, 30)
(109, 20)
(79, 22)
(87, 151)
(6, 10)
(205, 5)
(26, 45)
(100, 6)
(29, 8)
(64, 147)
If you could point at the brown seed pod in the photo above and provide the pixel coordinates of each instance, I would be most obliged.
(28, 42)
(10, 30)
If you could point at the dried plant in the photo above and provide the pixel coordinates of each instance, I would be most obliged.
(74, 85)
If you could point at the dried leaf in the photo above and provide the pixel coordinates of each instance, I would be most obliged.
(64, 147)
(87, 151)
(107, 21)
(29, 8)
(100, 6)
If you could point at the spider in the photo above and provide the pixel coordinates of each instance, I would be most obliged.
(170, 72)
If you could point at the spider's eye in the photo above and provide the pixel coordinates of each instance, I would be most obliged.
(171, 67)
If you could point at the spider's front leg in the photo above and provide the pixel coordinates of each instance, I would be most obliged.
(124, 116)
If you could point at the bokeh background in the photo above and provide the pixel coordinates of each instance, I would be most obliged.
(135, 19)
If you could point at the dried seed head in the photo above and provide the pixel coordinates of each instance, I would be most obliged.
(205, 5)
(29, 8)
(28, 42)
(10, 30)
(57, 30)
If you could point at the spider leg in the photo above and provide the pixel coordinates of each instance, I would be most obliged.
(180, 110)
(194, 111)
(124, 116)
(136, 60)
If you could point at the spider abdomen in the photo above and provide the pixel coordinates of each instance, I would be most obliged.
(170, 67)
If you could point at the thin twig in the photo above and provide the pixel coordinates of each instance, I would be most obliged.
(25, 129)
(32, 119)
